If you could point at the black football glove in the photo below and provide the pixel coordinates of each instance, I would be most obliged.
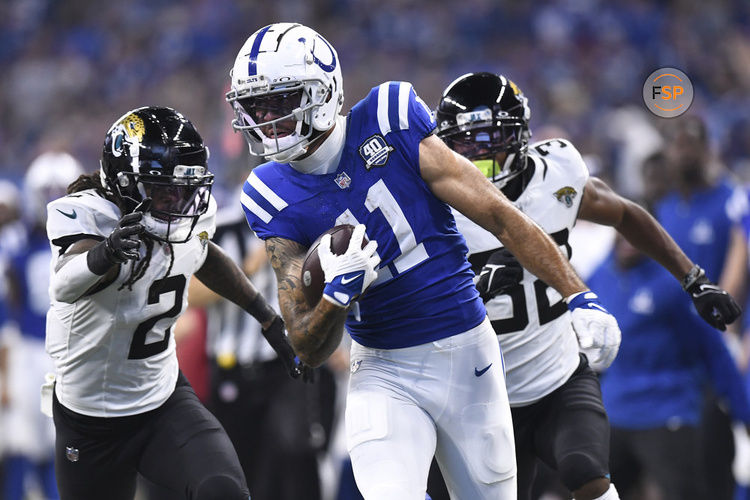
(501, 272)
(714, 305)
(276, 337)
(122, 244)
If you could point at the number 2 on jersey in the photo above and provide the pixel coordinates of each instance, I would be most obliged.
(139, 349)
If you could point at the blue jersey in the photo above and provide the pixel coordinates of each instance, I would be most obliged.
(667, 352)
(701, 224)
(424, 289)
(31, 271)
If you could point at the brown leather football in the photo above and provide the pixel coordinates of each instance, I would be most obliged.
(313, 279)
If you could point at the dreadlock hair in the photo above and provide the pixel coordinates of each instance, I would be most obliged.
(93, 181)
(137, 268)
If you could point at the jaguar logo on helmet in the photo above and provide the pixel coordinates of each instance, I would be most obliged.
(566, 195)
(133, 126)
(515, 88)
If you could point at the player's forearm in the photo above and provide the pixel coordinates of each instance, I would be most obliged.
(648, 236)
(314, 333)
(536, 251)
(81, 269)
(222, 276)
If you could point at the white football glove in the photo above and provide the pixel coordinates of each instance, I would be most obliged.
(741, 463)
(597, 330)
(348, 275)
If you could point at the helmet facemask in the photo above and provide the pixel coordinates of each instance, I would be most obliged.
(481, 139)
(177, 200)
(276, 120)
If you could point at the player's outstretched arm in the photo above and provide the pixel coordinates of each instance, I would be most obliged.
(602, 205)
(453, 179)
(88, 263)
(315, 333)
(222, 275)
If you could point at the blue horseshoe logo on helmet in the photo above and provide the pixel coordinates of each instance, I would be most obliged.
(325, 67)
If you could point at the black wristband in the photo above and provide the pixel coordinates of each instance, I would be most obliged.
(695, 273)
(261, 309)
(99, 259)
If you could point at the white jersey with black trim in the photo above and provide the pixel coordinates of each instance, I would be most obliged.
(532, 322)
(113, 349)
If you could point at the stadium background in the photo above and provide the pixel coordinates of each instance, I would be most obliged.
(69, 69)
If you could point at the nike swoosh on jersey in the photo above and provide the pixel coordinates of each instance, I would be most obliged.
(481, 372)
(71, 215)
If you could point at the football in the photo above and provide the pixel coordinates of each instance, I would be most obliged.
(313, 278)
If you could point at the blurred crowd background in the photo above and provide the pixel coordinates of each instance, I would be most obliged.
(71, 68)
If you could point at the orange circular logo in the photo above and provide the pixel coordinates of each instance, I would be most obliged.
(668, 92)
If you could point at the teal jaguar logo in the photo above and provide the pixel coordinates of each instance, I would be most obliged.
(566, 195)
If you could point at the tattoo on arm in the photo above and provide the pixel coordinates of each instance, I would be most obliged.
(313, 332)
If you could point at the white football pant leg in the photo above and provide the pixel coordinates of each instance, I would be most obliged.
(450, 393)
(476, 449)
(391, 442)
(27, 431)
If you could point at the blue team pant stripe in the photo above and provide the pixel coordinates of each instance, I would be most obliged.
(393, 90)
(252, 66)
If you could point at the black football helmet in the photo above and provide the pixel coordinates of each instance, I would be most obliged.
(154, 152)
(481, 115)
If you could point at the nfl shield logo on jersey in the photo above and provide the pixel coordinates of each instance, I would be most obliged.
(566, 195)
(72, 453)
(375, 151)
(343, 181)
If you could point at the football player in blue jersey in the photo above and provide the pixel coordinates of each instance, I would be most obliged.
(653, 391)
(555, 397)
(29, 435)
(426, 372)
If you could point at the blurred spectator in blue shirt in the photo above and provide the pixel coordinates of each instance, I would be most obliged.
(654, 390)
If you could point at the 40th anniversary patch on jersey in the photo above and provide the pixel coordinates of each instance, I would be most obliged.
(566, 195)
(375, 151)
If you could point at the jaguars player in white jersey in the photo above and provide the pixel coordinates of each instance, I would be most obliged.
(556, 403)
(125, 242)
(426, 372)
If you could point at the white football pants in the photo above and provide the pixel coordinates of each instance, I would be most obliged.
(446, 398)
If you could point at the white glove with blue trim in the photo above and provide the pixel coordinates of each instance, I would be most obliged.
(597, 330)
(348, 275)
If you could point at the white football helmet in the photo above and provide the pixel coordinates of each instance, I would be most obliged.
(286, 90)
(47, 179)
